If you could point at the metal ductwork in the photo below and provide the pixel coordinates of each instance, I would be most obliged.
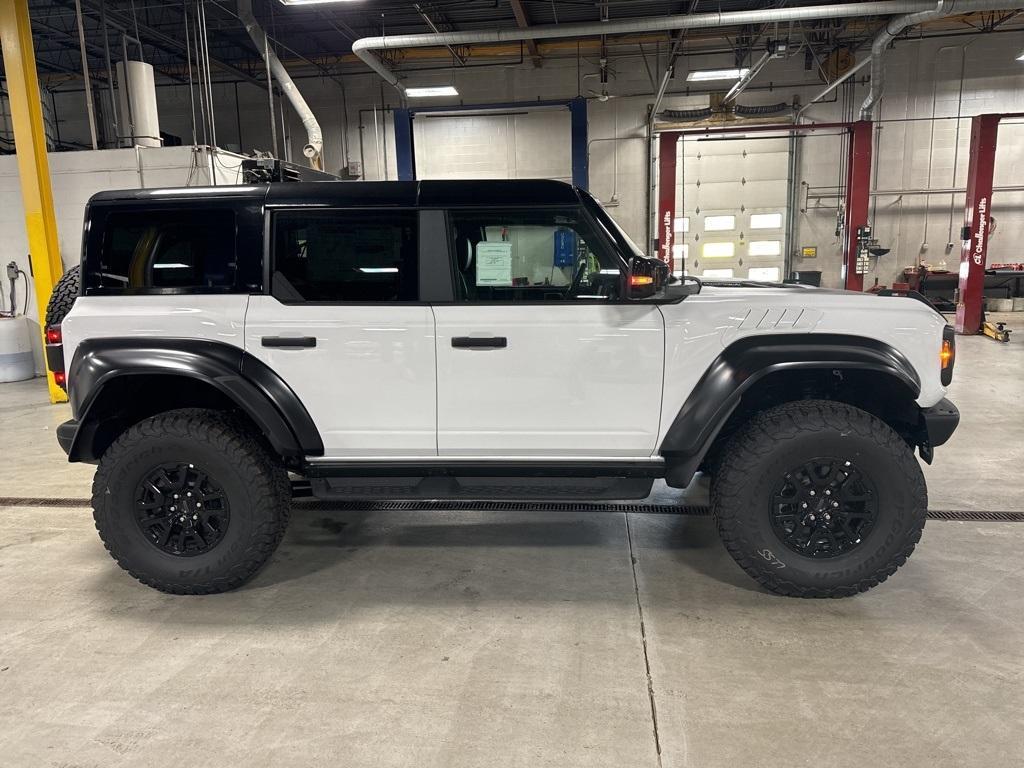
(314, 136)
(364, 47)
(896, 25)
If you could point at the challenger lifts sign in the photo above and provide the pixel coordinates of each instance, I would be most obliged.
(979, 237)
(666, 237)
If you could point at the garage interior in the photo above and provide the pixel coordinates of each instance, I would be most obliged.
(849, 146)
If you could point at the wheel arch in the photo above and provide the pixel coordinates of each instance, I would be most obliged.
(118, 382)
(759, 372)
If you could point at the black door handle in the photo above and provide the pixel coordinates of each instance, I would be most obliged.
(479, 342)
(289, 341)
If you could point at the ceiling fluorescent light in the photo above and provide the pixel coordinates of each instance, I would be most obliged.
(432, 90)
(313, 2)
(1021, 57)
(700, 75)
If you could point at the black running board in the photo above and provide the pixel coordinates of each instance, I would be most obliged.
(477, 487)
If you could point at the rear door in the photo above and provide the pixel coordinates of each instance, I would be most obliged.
(344, 327)
(539, 356)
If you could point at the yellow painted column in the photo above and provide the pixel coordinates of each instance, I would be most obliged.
(33, 166)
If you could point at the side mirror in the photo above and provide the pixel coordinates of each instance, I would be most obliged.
(647, 278)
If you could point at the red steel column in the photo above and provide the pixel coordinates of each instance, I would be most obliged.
(977, 216)
(858, 191)
(666, 195)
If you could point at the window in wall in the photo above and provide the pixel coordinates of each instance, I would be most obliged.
(680, 252)
(154, 250)
(764, 248)
(682, 224)
(718, 250)
(719, 223)
(539, 255)
(358, 256)
(717, 273)
(766, 221)
(767, 274)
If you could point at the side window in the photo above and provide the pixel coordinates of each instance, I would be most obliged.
(539, 255)
(151, 250)
(358, 256)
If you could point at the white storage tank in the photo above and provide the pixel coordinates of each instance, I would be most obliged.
(16, 363)
(140, 122)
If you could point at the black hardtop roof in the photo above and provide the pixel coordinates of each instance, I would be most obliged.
(367, 193)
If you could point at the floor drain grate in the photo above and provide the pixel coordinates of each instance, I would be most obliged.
(39, 501)
(692, 510)
(970, 515)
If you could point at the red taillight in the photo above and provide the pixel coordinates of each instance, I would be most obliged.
(53, 335)
(60, 379)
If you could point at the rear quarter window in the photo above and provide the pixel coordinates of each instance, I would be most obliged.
(145, 251)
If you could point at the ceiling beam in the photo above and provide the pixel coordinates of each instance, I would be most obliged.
(524, 22)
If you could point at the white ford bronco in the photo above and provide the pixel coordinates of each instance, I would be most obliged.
(474, 340)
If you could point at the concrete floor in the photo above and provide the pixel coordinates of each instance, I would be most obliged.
(471, 639)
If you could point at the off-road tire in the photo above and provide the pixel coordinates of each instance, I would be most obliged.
(758, 457)
(255, 485)
(64, 294)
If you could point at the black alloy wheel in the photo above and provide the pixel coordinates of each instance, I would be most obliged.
(181, 509)
(824, 508)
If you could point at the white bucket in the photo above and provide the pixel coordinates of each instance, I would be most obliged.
(16, 363)
(999, 305)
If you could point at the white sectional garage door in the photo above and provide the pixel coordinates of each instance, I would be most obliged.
(522, 145)
(734, 208)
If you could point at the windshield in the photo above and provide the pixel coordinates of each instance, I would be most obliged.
(614, 230)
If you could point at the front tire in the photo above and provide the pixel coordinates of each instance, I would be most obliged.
(819, 499)
(149, 494)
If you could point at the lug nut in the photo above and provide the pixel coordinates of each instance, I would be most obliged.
(173, 508)
(835, 504)
(189, 493)
(812, 493)
(811, 518)
(803, 505)
(846, 464)
(827, 516)
(828, 493)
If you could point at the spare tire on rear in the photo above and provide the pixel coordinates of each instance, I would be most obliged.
(64, 294)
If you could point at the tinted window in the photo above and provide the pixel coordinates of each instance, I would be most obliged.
(345, 256)
(548, 255)
(183, 249)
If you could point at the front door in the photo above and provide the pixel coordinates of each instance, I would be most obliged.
(343, 329)
(539, 356)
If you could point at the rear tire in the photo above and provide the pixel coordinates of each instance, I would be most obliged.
(63, 296)
(149, 493)
(819, 499)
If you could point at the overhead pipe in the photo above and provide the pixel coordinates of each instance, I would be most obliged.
(896, 25)
(832, 86)
(364, 47)
(314, 135)
(743, 82)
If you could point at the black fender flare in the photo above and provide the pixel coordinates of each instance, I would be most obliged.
(748, 360)
(250, 384)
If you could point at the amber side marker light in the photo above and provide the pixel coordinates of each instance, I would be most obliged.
(641, 280)
(946, 353)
